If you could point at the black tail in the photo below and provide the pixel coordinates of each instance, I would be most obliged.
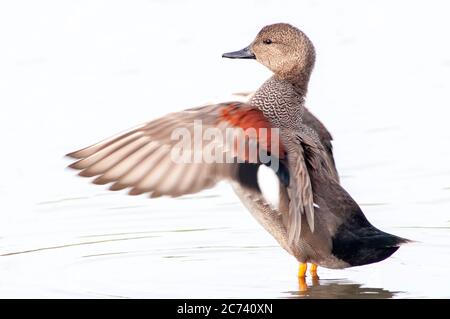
(358, 243)
(354, 239)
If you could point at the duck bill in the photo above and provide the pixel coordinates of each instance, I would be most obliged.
(245, 53)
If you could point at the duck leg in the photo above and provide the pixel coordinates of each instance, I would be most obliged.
(313, 271)
(302, 286)
(302, 270)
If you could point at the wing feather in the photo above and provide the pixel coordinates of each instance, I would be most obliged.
(141, 158)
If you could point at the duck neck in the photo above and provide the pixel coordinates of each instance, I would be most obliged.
(300, 72)
(299, 79)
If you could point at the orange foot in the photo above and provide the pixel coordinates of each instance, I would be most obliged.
(302, 286)
(301, 277)
(313, 271)
(302, 274)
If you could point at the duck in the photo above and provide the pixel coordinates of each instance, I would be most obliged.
(315, 219)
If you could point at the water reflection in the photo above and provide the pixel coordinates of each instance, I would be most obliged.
(339, 288)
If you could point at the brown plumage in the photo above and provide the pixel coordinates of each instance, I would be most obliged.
(316, 220)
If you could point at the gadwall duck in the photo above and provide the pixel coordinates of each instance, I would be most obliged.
(315, 220)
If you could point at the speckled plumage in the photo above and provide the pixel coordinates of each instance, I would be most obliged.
(280, 103)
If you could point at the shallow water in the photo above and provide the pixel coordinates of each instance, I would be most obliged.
(72, 79)
(108, 245)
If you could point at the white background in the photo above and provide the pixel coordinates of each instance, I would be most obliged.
(75, 72)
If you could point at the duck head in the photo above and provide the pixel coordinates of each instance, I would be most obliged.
(282, 48)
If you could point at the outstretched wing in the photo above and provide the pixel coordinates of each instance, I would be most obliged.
(167, 156)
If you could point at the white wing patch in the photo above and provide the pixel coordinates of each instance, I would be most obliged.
(270, 186)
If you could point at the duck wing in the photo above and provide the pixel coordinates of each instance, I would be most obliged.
(324, 135)
(306, 156)
(166, 156)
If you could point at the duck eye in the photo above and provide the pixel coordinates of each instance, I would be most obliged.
(267, 41)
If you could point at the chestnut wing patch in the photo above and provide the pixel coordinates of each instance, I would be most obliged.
(256, 128)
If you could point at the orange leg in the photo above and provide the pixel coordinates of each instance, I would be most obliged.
(301, 277)
(302, 270)
(313, 271)
(302, 286)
